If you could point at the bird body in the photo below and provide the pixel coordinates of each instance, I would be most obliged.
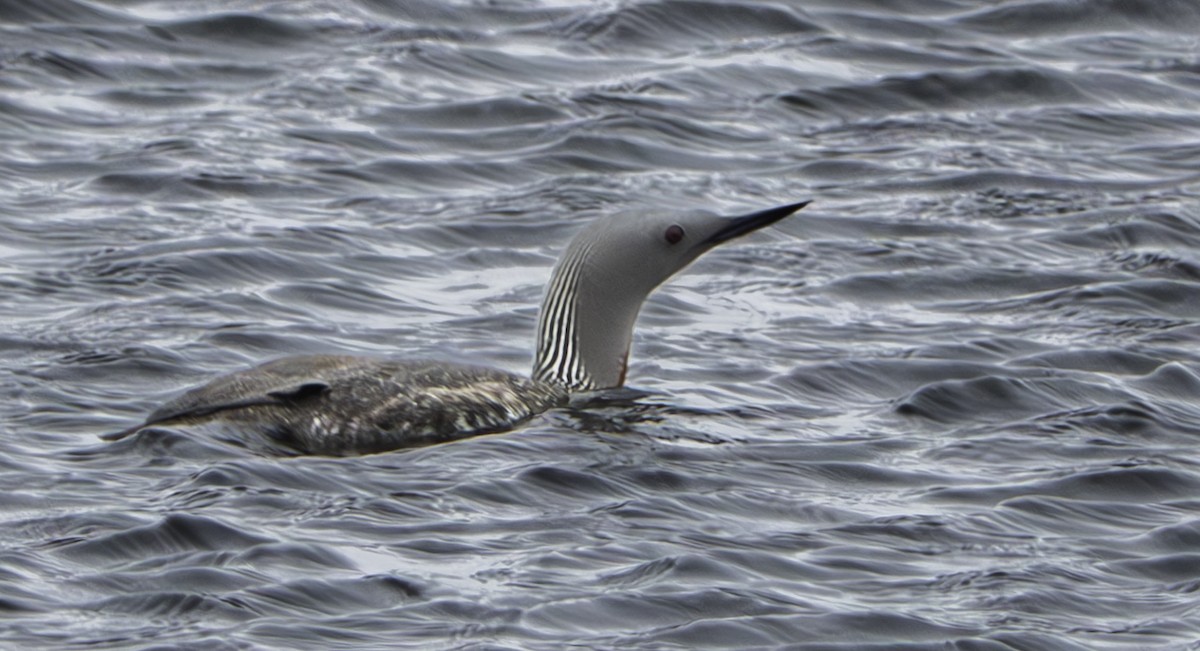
(345, 404)
(349, 404)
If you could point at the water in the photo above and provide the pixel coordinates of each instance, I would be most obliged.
(952, 404)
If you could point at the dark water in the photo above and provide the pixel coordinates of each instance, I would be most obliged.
(952, 405)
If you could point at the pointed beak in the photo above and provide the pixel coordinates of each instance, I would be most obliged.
(738, 226)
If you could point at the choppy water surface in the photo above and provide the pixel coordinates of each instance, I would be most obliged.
(953, 404)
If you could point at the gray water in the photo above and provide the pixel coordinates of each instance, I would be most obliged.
(951, 405)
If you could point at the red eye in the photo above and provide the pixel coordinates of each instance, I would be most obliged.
(673, 234)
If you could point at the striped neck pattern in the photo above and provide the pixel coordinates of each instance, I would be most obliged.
(558, 358)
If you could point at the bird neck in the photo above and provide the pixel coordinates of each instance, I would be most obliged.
(585, 327)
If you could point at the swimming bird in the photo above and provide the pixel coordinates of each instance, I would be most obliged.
(345, 404)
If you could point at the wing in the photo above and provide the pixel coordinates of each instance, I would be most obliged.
(280, 383)
(172, 412)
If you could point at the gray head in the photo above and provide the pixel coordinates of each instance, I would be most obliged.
(604, 276)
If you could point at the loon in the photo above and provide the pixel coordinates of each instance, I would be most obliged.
(339, 405)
